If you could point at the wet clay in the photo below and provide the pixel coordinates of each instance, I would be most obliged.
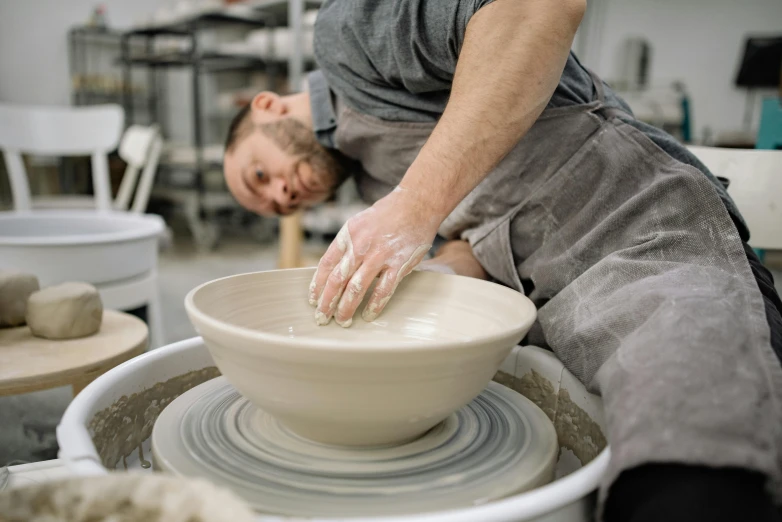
(576, 430)
(505, 379)
(15, 290)
(120, 429)
(533, 386)
(117, 431)
(539, 390)
(66, 311)
(144, 463)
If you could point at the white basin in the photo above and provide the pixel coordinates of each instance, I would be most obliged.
(112, 418)
(89, 246)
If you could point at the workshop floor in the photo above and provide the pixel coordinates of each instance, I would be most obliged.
(27, 422)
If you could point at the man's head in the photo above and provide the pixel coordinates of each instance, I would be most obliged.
(273, 164)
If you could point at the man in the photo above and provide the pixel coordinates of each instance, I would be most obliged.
(473, 120)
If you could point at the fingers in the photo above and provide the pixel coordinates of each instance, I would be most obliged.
(346, 272)
(389, 280)
(355, 291)
(334, 288)
(329, 286)
(328, 262)
(385, 288)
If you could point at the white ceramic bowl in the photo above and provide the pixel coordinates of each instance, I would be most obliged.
(438, 343)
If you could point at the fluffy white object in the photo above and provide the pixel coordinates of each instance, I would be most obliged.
(123, 497)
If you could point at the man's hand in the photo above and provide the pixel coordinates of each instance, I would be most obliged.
(455, 257)
(387, 240)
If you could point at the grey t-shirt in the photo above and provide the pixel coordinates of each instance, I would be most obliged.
(395, 60)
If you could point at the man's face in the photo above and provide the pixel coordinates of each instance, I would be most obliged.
(278, 167)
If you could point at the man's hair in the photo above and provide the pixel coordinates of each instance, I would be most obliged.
(291, 135)
(241, 125)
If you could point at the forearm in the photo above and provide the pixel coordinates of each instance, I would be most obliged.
(511, 61)
(458, 257)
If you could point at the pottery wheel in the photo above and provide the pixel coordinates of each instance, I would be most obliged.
(499, 444)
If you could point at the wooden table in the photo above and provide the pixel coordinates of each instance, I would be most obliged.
(29, 363)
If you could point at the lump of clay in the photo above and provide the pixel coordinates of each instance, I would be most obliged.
(65, 311)
(15, 289)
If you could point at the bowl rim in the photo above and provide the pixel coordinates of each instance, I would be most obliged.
(341, 345)
(149, 226)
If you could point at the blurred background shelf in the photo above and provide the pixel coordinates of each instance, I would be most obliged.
(185, 24)
(188, 66)
(208, 61)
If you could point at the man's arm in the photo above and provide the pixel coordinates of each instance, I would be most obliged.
(511, 61)
(512, 58)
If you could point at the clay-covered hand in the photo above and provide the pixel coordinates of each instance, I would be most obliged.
(386, 241)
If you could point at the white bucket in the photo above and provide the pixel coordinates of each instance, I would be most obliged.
(88, 246)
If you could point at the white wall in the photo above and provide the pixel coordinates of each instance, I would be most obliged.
(697, 41)
(34, 56)
(33, 43)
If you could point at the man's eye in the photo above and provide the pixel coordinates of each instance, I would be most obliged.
(259, 174)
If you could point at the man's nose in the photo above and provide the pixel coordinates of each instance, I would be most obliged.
(283, 192)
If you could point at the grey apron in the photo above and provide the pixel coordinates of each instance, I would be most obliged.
(642, 284)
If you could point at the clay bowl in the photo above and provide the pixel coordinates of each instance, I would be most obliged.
(436, 346)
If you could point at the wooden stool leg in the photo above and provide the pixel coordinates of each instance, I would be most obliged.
(291, 236)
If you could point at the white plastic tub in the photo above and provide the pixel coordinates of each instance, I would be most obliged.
(89, 246)
(568, 499)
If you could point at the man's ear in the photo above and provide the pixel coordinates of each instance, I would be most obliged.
(268, 104)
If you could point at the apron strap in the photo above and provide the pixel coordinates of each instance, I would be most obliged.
(597, 83)
(607, 112)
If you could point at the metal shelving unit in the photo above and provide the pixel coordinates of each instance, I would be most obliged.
(135, 77)
(293, 12)
(138, 50)
(95, 79)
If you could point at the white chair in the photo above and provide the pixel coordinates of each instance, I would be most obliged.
(59, 131)
(94, 131)
(756, 187)
(140, 148)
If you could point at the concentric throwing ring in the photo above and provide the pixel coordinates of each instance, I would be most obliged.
(499, 444)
